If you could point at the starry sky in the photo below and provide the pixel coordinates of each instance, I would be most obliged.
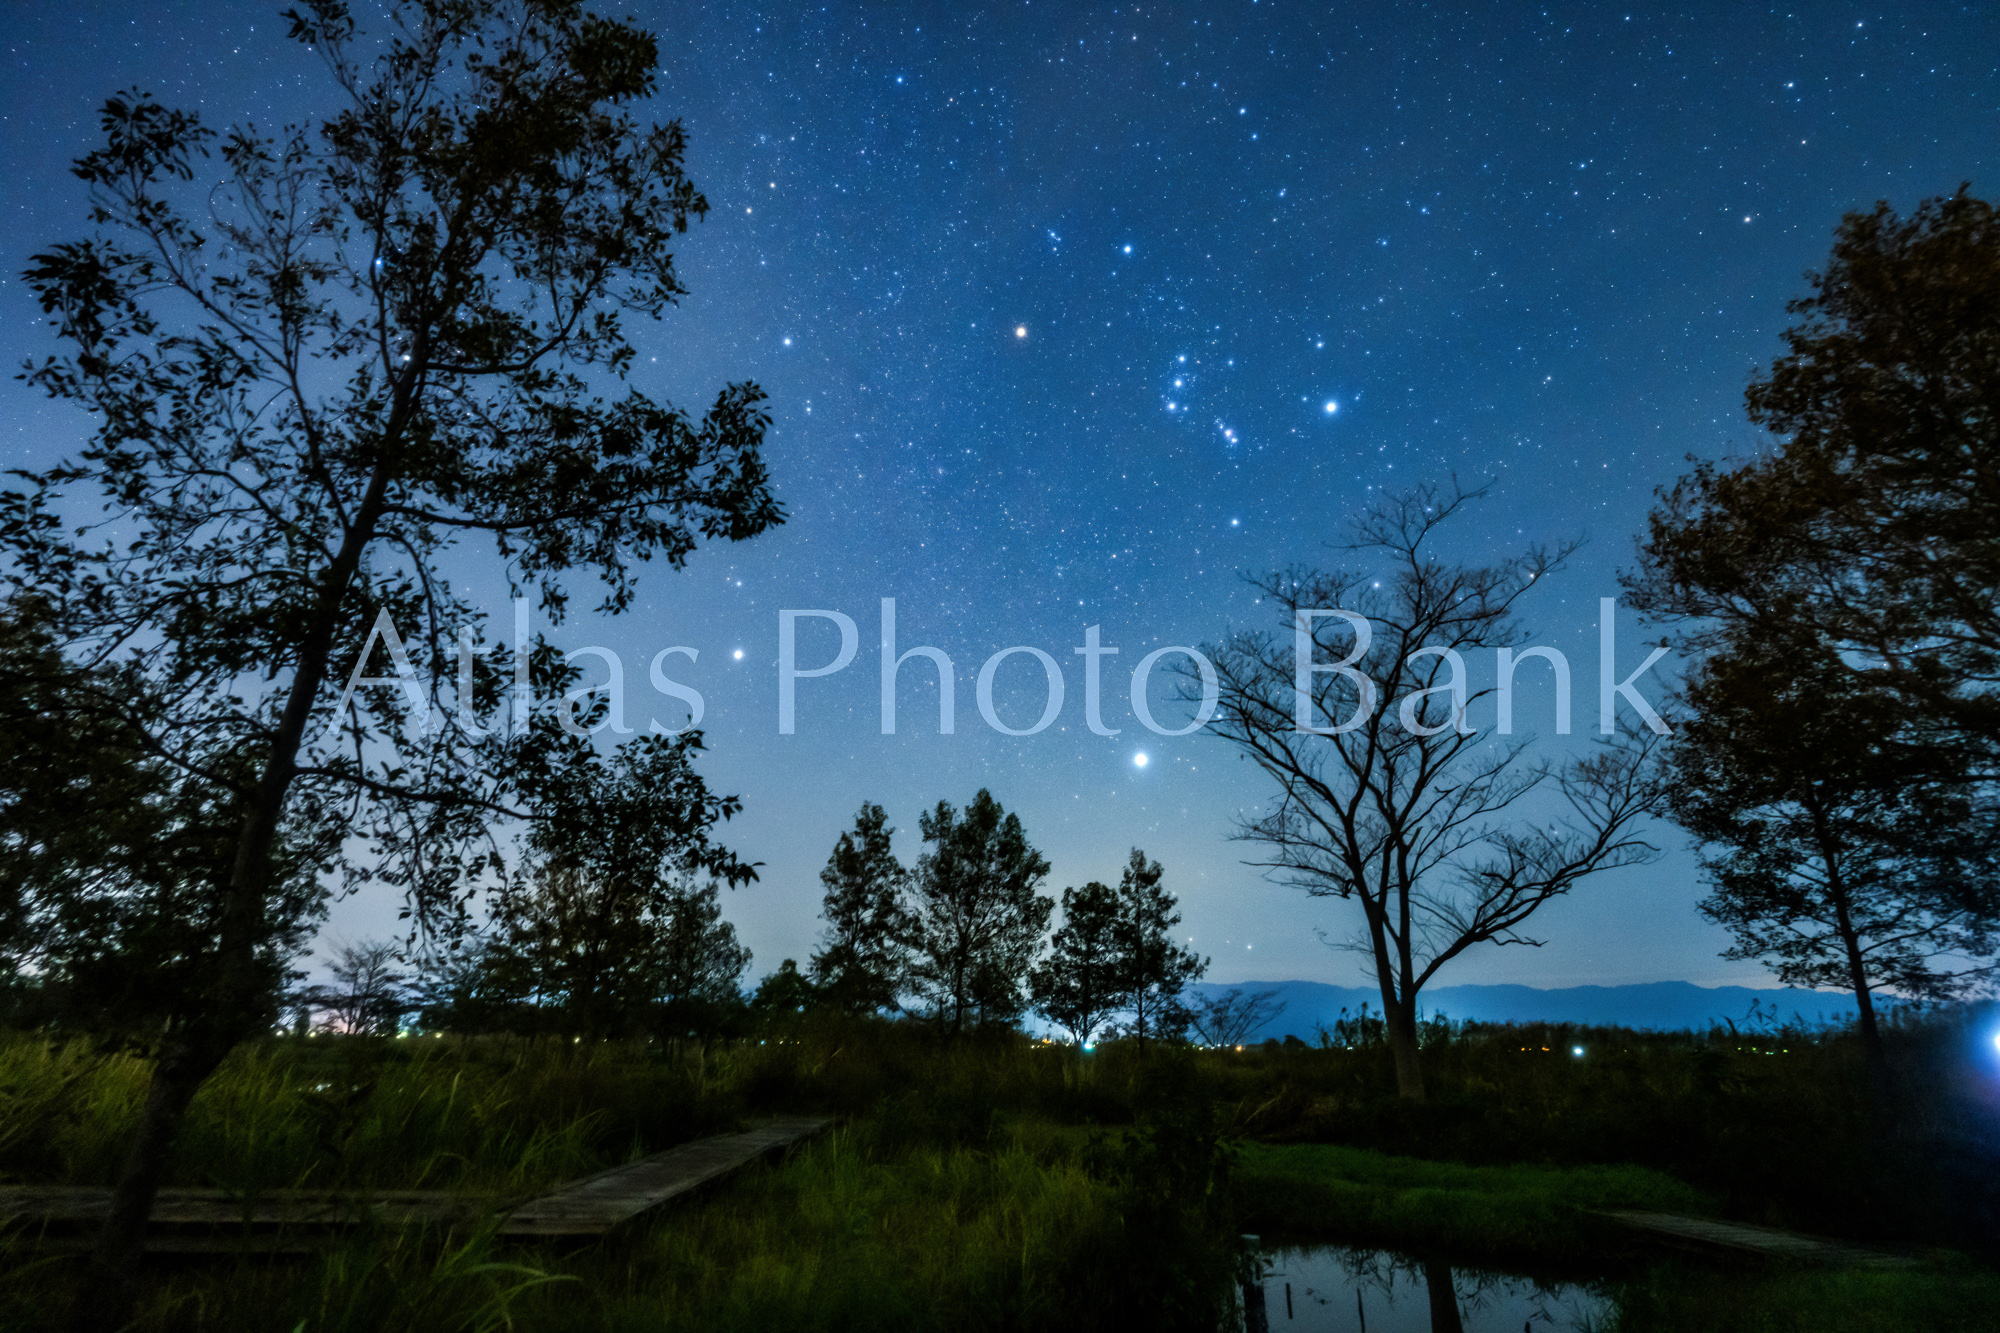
(1072, 313)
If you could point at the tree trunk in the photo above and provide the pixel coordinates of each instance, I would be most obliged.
(1857, 970)
(105, 1300)
(1444, 1297)
(187, 1061)
(1399, 1021)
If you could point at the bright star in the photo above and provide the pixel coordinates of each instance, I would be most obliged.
(739, 654)
(1128, 249)
(1331, 407)
(1139, 759)
(1020, 330)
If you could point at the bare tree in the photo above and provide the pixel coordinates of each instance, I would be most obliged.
(1387, 796)
(1226, 1019)
(369, 996)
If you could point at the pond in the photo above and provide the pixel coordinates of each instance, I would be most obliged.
(1336, 1289)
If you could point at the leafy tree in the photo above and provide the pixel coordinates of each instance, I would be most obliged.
(974, 920)
(111, 856)
(607, 922)
(1155, 969)
(458, 990)
(1394, 801)
(861, 962)
(1226, 1019)
(1842, 850)
(1083, 980)
(1871, 524)
(370, 338)
(699, 984)
(783, 996)
(569, 954)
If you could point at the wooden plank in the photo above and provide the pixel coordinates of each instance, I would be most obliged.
(198, 1221)
(596, 1204)
(1769, 1242)
(84, 1206)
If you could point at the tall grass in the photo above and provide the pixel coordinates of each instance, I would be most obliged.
(1001, 1183)
(489, 1116)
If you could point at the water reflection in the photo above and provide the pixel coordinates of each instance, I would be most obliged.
(1334, 1289)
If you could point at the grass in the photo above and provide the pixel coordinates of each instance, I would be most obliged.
(1528, 1215)
(492, 1116)
(1674, 1298)
(998, 1183)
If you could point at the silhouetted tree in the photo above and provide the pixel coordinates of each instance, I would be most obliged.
(861, 961)
(784, 996)
(1871, 524)
(610, 919)
(1082, 981)
(1226, 1019)
(1842, 849)
(1155, 969)
(368, 995)
(974, 920)
(1392, 799)
(371, 337)
(112, 856)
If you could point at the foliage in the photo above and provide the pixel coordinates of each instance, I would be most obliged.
(1792, 1300)
(616, 924)
(974, 920)
(310, 378)
(661, 960)
(782, 996)
(965, 1190)
(1155, 970)
(112, 858)
(862, 961)
(1398, 807)
(1842, 847)
(1521, 1213)
(335, 1112)
(1082, 981)
(1870, 526)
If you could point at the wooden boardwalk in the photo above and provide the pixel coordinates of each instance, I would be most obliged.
(596, 1204)
(1740, 1238)
(201, 1221)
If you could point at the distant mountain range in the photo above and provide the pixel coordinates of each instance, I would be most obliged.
(1660, 1005)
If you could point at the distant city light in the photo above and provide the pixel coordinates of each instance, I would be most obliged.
(1576, 1050)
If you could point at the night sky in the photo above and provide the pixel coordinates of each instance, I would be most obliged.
(1069, 314)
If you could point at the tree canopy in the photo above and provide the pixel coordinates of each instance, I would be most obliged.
(1872, 521)
(310, 376)
(974, 921)
(862, 960)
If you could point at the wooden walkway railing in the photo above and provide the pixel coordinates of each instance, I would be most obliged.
(199, 1221)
